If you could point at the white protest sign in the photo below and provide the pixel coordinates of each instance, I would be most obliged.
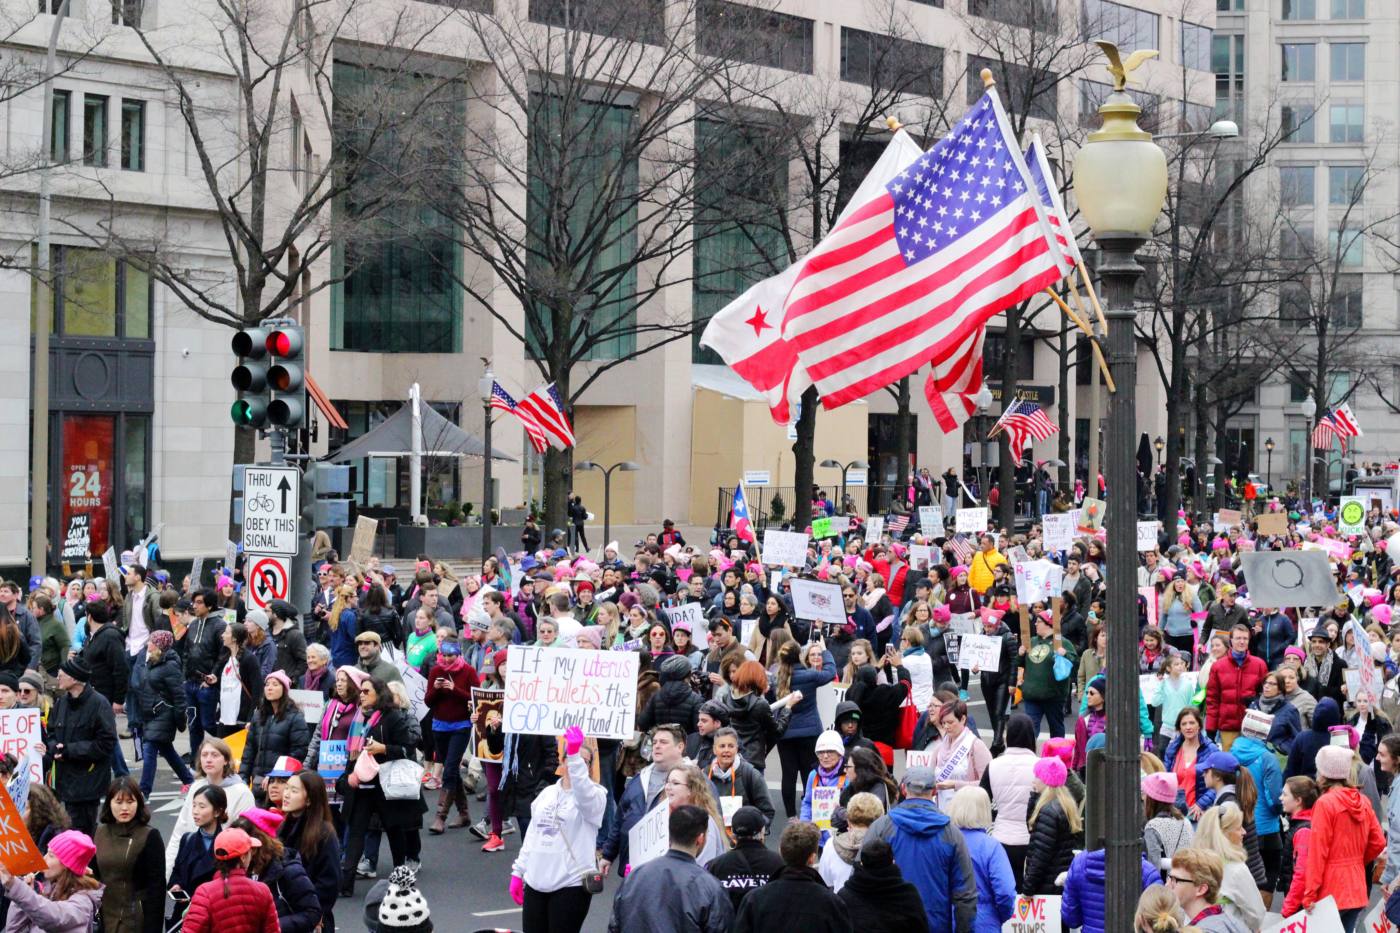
(819, 602)
(824, 801)
(980, 651)
(784, 548)
(1376, 921)
(651, 837)
(1147, 686)
(550, 689)
(692, 613)
(918, 759)
(1057, 531)
(1036, 914)
(874, 527)
(19, 731)
(109, 564)
(1323, 918)
(746, 630)
(230, 556)
(312, 704)
(829, 696)
(920, 556)
(728, 806)
(1037, 581)
(417, 686)
(931, 520)
(971, 521)
(1147, 535)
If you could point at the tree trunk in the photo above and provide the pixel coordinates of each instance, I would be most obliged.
(804, 459)
(903, 430)
(558, 483)
(1172, 462)
(1006, 513)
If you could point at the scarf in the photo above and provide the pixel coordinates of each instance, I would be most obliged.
(359, 729)
(330, 719)
(1320, 670)
(1269, 704)
(825, 777)
(873, 597)
(451, 662)
(912, 651)
(1238, 657)
(312, 680)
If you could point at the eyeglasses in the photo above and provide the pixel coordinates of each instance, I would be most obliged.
(1177, 879)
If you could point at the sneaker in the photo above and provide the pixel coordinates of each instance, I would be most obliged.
(479, 830)
(184, 789)
(364, 869)
(508, 827)
(962, 695)
(430, 782)
(494, 844)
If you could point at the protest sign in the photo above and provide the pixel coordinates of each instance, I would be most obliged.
(550, 689)
(980, 651)
(197, 573)
(17, 849)
(824, 803)
(651, 837)
(971, 521)
(31, 764)
(746, 630)
(109, 564)
(1057, 531)
(918, 759)
(819, 602)
(331, 759)
(829, 696)
(1272, 523)
(312, 704)
(964, 623)
(1017, 553)
(691, 613)
(729, 805)
(1091, 512)
(1150, 594)
(1035, 914)
(874, 527)
(417, 686)
(920, 556)
(362, 544)
(19, 732)
(1323, 918)
(1376, 921)
(840, 523)
(931, 520)
(1337, 550)
(784, 548)
(1037, 581)
(1148, 686)
(1226, 519)
(821, 528)
(235, 743)
(1147, 535)
(1284, 579)
(77, 539)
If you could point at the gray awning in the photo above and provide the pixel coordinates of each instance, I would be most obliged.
(393, 437)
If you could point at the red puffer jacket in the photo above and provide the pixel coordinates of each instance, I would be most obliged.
(1232, 687)
(247, 908)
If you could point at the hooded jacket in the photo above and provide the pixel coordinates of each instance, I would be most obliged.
(1302, 757)
(105, 655)
(1293, 867)
(996, 885)
(1346, 837)
(839, 856)
(882, 901)
(674, 702)
(1085, 891)
(159, 694)
(796, 899)
(746, 867)
(846, 710)
(1268, 780)
(805, 720)
(1010, 782)
(1049, 852)
(758, 727)
(933, 856)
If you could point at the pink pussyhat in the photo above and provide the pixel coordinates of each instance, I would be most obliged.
(74, 850)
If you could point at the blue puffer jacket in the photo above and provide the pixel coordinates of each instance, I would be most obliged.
(933, 856)
(1268, 781)
(1204, 797)
(996, 885)
(805, 720)
(1084, 897)
(1288, 724)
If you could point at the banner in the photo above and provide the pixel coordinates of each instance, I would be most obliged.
(784, 548)
(829, 696)
(1091, 512)
(693, 613)
(918, 759)
(1150, 595)
(550, 689)
(362, 544)
(331, 758)
(1058, 531)
(1038, 581)
(1272, 523)
(77, 540)
(821, 528)
(651, 837)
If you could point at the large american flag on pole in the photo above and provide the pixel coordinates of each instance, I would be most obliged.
(501, 399)
(1022, 422)
(1337, 423)
(912, 275)
(546, 406)
(1044, 180)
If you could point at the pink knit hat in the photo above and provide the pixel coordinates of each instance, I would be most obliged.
(357, 676)
(1051, 772)
(282, 678)
(941, 613)
(1333, 763)
(73, 849)
(266, 820)
(1062, 749)
(1160, 787)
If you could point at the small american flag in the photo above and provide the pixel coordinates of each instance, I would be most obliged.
(501, 399)
(1023, 421)
(1337, 423)
(896, 524)
(961, 547)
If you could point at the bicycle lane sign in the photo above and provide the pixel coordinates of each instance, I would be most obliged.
(268, 578)
(271, 504)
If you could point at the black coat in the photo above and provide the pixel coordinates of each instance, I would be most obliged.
(747, 867)
(752, 717)
(397, 731)
(291, 652)
(270, 737)
(298, 907)
(879, 703)
(536, 758)
(158, 695)
(936, 647)
(136, 884)
(87, 731)
(323, 868)
(384, 623)
(674, 702)
(796, 899)
(105, 655)
(202, 645)
(193, 864)
(883, 900)
(1050, 851)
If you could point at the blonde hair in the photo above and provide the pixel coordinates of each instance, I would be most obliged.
(400, 694)
(1158, 912)
(701, 794)
(609, 618)
(1065, 799)
(1212, 833)
(1149, 763)
(970, 808)
(1204, 866)
(863, 809)
(343, 594)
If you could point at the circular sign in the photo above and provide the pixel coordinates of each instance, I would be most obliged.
(268, 581)
(1353, 512)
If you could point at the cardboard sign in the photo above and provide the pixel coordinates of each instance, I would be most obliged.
(918, 759)
(1038, 914)
(931, 520)
(1147, 535)
(1272, 523)
(920, 556)
(874, 527)
(824, 803)
(820, 602)
(17, 849)
(1284, 579)
(109, 564)
(417, 686)
(1038, 581)
(312, 704)
(971, 521)
(980, 651)
(197, 573)
(331, 759)
(651, 837)
(362, 544)
(1323, 918)
(784, 548)
(821, 528)
(550, 689)
(1057, 531)
(77, 539)
(1091, 514)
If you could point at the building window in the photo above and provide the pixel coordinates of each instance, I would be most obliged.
(756, 36)
(1227, 61)
(1347, 123)
(1299, 9)
(1299, 61)
(1296, 185)
(94, 295)
(126, 12)
(134, 135)
(1296, 241)
(1195, 46)
(1125, 26)
(1344, 245)
(1298, 123)
(1348, 61)
(891, 65)
(1040, 15)
(1348, 9)
(1344, 310)
(1293, 307)
(1345, 184)
(1229, 6)
(1023, 89)
(94, 130)
(58, 141)
(637, 22)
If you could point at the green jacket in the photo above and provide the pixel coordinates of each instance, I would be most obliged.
(1039, 664)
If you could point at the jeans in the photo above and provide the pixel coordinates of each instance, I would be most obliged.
(451, 746)
(1050, 710)
(607, 768)
(119, 768)
(1349, 918)
(204, 701)
(151, 753)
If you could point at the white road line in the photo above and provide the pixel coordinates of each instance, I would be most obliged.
(496, 913)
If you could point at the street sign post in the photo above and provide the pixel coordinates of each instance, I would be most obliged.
(271, 505)
(269, 578)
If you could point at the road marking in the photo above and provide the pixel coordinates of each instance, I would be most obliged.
(497, 913)
(170, 807)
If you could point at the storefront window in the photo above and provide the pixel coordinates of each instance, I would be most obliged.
(136, 303)
(87, 478)
(136, 474)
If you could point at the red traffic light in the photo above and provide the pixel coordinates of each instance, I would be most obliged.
(284, 342)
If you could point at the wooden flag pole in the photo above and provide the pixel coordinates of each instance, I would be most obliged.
(1093, 296)
(1093, 340)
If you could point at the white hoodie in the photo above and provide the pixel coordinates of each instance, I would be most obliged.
(560, 842)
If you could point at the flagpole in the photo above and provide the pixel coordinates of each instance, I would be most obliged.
(752, 528)
(1093, 341)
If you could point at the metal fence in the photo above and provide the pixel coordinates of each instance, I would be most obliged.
(870, 500)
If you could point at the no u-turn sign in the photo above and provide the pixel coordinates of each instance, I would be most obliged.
(267, 578)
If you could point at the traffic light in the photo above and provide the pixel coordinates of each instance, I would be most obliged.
(324, 480)
(286, 377)
(249, 378)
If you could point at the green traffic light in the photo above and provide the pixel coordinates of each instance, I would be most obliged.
(249, 413)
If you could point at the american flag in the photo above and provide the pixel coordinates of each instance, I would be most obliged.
(1337, 423)
(951, 386)
(546, 406)
(1022, 422)
(1044, 180)
(961, 547)
(911, 276)
(501, 399)
(895, 525)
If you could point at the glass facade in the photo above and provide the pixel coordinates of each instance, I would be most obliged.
(1125, 26)
(1227, 61)
(1299, 61)
(94, 295)
(134, 135)
(891, 65)
(756, 36)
